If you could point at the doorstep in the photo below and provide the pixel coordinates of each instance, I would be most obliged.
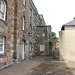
(5, 66)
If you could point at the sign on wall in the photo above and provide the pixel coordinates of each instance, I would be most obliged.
(42, 48)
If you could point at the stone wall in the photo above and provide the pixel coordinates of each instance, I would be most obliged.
(12, 30)
(43, 37)
(7, 30)
(55, 50)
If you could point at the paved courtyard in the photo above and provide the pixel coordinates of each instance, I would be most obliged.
(40, 65)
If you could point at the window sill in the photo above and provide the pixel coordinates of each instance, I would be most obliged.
(3, 54)
(3, 21)
(23, 31)
(24, 5)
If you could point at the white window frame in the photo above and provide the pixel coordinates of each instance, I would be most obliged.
(23, 23)
(43, 34)
(3, 45)
(24, 2)
(3, 10)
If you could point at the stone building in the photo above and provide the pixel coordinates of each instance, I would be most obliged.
(18, 20)
(35, 19)
(43, 37)
(41, 20)
(67, 41)
(7, 10)
(14, 24)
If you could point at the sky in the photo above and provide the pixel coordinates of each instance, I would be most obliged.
(56, 12)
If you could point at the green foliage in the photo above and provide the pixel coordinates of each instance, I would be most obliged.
(54, 37)
(50, 47)
(53, 34)
(56, 54)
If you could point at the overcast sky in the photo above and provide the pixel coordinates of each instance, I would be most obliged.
(56, 12)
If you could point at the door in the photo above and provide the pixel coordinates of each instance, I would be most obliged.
(22, 50)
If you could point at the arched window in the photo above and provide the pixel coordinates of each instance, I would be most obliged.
(24, 2)
(23, 26)
(3, 10)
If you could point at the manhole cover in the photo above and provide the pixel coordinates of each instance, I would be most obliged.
(36, 68)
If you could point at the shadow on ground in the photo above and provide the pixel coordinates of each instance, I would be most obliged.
(52, 67)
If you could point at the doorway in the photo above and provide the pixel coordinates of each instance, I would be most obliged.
(22, 50)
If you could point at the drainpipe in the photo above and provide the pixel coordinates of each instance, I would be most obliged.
(47, 42)
(15, 31)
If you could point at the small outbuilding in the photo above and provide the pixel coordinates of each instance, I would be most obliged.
(67, 41)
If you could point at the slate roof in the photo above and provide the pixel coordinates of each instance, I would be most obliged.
(71, 22)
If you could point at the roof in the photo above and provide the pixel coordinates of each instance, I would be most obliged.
(71, 22)
(43, 25)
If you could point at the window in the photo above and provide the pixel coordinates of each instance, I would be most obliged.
(43, 34)
(30, 27)
(2, 10)
(23, 23)
(24, 2)
(30, 47)
(38, 35)
(2, 44)
(30, 14)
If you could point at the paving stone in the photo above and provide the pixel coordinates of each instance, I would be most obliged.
(39, 67)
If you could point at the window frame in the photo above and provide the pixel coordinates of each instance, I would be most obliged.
(3, 43)
(43, 34)
(23, 25)
(24, 2)
(3, 10)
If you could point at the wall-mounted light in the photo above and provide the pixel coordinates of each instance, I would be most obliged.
(29, 33)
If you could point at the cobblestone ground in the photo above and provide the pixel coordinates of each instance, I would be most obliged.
(40, 65)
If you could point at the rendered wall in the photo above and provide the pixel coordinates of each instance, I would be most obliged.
(67, 45)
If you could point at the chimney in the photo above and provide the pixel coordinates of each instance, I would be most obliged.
(74, 18)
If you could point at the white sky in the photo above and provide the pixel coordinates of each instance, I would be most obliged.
(56, 12)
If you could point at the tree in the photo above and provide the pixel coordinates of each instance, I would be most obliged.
(54, 37)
